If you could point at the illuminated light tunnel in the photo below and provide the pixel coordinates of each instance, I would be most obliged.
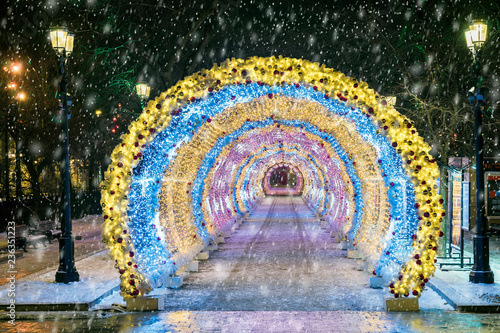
(196, 159)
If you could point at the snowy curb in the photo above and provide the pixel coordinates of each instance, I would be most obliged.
(65, 315)
(63, 306)
(39, 292)
(460, 302)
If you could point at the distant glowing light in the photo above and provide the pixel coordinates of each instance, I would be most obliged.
(391, 100)
(143, 90)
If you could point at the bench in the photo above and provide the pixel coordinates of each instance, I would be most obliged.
(24, 237)
(47, 228)
(495, 229)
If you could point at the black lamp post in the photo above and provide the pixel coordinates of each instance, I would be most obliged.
(481, 272)
(62, 42)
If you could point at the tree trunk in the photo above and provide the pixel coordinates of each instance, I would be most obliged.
(91, 186)
(19, 190)
(7, 161)
(38, 208)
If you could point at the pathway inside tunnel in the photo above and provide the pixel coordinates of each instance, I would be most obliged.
(280, 259)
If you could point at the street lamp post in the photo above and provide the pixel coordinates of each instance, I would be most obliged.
(481, 272)
(62, 43)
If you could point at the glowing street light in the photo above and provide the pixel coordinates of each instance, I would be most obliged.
(476, 35)
(58, 37)
(70, 39)
(143, 90)
(481, 272)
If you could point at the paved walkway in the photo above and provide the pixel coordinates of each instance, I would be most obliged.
(281, 260)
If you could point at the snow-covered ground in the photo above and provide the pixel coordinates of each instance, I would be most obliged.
(97, 276)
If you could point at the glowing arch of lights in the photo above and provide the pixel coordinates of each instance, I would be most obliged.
(166, 195)
(265, 138)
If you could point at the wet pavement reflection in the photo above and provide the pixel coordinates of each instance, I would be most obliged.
(265, 321)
